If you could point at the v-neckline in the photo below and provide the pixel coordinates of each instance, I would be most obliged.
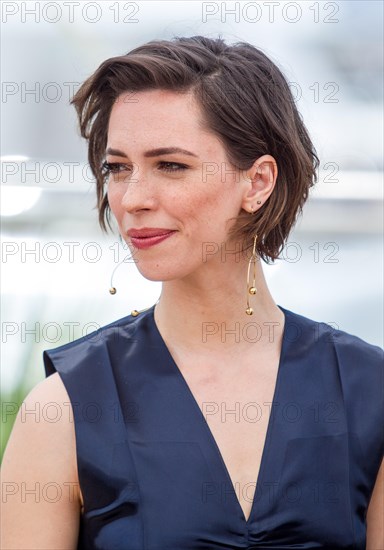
(211, 437)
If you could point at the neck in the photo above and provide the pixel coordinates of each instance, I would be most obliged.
(206, 312)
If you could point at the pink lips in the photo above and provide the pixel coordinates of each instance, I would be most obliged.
(147, 237)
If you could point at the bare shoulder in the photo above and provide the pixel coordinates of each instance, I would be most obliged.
(45, 418)
(50, 386)
(39, 472)
(51, 390)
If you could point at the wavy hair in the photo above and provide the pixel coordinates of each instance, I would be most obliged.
(246, 102)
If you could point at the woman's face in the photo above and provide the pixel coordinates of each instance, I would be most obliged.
(171, 188)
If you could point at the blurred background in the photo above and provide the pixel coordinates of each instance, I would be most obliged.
(56, 263)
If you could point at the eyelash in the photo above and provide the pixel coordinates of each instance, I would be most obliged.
(113, 167)
(118, 167)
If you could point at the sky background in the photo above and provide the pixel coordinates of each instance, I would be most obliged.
(56, 263)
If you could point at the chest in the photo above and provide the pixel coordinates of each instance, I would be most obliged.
(236, 406)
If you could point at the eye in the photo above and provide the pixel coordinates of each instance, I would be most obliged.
(115, 167)
(172, 166)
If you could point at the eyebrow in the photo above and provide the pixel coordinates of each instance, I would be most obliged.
(153, 152)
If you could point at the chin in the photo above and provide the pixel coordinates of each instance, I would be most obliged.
(161, 272)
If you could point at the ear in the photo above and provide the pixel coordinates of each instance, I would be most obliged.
(261, 180)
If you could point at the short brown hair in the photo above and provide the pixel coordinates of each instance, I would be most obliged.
(247, 104)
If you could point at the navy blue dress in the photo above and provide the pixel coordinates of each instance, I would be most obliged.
(150, 471)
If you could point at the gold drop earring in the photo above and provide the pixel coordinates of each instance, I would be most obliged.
(112, 289)
(251, 288)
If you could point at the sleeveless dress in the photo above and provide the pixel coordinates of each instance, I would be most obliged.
(151, 473)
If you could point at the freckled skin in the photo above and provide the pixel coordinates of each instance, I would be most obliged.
(198, 205)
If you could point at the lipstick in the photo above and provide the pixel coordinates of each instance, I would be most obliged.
(147, 237)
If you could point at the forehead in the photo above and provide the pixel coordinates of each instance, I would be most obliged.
(155, 109)
(159, 118)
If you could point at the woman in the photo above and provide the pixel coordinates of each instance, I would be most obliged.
(216, 418)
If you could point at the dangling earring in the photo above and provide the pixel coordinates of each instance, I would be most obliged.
(112, 289)
(251, 288)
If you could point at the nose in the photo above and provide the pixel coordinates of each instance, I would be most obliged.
(138, 193)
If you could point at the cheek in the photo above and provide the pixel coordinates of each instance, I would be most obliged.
(206, 214)
(192, 208)
(215, 198)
